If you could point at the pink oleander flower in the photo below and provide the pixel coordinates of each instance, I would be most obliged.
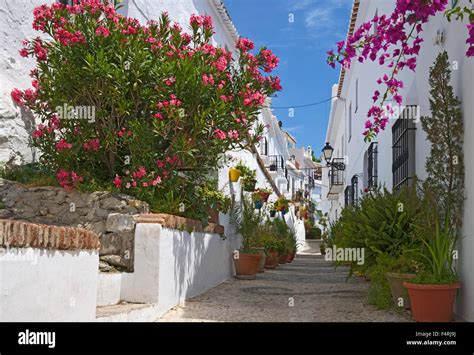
(244, 44)
(158, 116)
(219, 134)
(140, 173)
(39, 131)
(117, 181)
(170, 81)
(233, 134)
(102, 31)
(24, 52)
(63, 145)
(220, 63)
(92, 145)
(17, 96)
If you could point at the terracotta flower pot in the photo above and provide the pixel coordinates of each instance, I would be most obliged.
(246, 266)
(288, 257)
(271, 261)
(264, 196)
(432, 303)
(261, 264)
(234, 174)
(282, 259)
(395, 281)
(293, 255)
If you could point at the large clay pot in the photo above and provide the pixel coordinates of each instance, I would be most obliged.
(432, 303)
(246, 266)
(271, 261)
(282, 259)
(293, 255)
(288, 258)
(399, 293)
(234, 174)
(261, 264)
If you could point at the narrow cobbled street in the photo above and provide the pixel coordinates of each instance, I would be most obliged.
(309, 289)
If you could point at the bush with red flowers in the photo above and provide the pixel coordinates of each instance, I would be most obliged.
(145, 109)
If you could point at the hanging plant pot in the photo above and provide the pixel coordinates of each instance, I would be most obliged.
(432, 303)
(273, 213)
(249, 185)
(234, 174)
(264, 196)
(283, 212)
(258, 204)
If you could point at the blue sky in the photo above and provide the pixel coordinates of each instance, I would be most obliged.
(301, 46)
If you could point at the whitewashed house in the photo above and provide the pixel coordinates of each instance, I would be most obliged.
(359, 165)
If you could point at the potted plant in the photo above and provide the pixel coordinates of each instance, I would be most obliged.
(248, 177)
(264, 194)
(246, 222)
(257, 200)
(234, 174)
(322, 248)
(273, 213)
(215, 200)
(403, 268)
(432, 293)
(281, 205)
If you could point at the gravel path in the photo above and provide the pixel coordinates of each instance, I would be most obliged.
(307, 290)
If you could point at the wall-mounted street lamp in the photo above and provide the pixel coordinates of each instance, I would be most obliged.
(337, 163)
(327, 152)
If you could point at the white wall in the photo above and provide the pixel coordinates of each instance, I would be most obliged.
(415, 92)
(16, 124)
(172, 265)
(39, 285)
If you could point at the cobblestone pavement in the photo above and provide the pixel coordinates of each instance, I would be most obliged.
(309, 289)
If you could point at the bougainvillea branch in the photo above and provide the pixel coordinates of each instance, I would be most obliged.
(395, 42)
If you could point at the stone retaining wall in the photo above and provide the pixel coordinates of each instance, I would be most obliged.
(110, 215)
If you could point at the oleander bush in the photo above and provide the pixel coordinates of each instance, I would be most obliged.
(148, 109)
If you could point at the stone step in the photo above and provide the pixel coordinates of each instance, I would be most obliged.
(128, 312)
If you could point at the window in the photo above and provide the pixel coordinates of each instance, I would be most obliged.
(276, 163)
(264, 146)
(372, 170)
(357, 95)
(348, 196)
(403, 148)
(355, 189)
(350, 122)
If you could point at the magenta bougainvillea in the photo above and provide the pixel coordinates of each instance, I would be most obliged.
(147, 109)
(396, 44)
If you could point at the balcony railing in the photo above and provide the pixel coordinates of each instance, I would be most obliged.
(336, 177)
(276, 163)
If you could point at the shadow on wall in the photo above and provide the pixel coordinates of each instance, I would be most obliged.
(201, 261)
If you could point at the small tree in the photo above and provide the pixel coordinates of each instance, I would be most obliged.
(445, 166)
(162, 104)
